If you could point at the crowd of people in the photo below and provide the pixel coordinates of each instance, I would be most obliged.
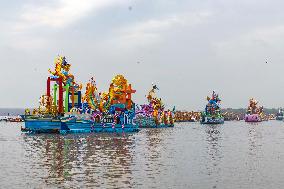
(185, 116)
(193, 116)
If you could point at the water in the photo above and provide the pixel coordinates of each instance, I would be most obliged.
(233, 155)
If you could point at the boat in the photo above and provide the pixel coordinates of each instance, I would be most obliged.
(153, 114)
(212, 113)
(254, 113)
(53, 105)
(65, 110)
(13, 119)
(112, 111)
(280, 114)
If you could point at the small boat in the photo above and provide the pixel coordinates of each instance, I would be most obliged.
(212, 113)
(254, 113)
(280, 114)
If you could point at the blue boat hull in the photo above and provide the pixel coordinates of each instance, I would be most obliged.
(280, 118)
(156, 126)
(43, 126)
(83, 127)
(149, 122)
(211, 120)
(58, 126)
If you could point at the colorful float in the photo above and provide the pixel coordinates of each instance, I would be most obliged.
(53, 105)
(254, 113)
(153, 114)
(111, 111)
(212, 113)
(63, 109)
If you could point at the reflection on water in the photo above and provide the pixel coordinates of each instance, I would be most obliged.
(96, 160)
(255, 150)
(254, 137)
(87, 159)
(190, 155)
(214, 152)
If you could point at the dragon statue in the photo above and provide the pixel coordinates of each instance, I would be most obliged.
(62, 68)
(91, 95)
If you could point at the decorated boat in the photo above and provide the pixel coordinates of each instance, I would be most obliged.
(153, 114)
(62, 94)
(254, 112)
(63, 109)
(212, 113)
(111, 111)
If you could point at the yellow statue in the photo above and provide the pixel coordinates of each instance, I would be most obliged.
(91, 96)
(61, 70)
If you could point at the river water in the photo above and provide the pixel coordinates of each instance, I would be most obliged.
(190, 155)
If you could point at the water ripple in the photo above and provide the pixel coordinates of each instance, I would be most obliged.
(233, 155)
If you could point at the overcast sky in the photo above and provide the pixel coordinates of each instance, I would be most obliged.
(187, 47)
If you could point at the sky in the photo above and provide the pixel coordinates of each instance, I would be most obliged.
(187, 47)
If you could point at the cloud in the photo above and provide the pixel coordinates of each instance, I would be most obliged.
(252, 40)
(32, 25)
(151, 31)
(267, 34)
(62, 13)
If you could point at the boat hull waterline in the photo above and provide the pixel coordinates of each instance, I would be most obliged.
(58, 126)
(212, 120)
(149, 122)
(252, 118)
